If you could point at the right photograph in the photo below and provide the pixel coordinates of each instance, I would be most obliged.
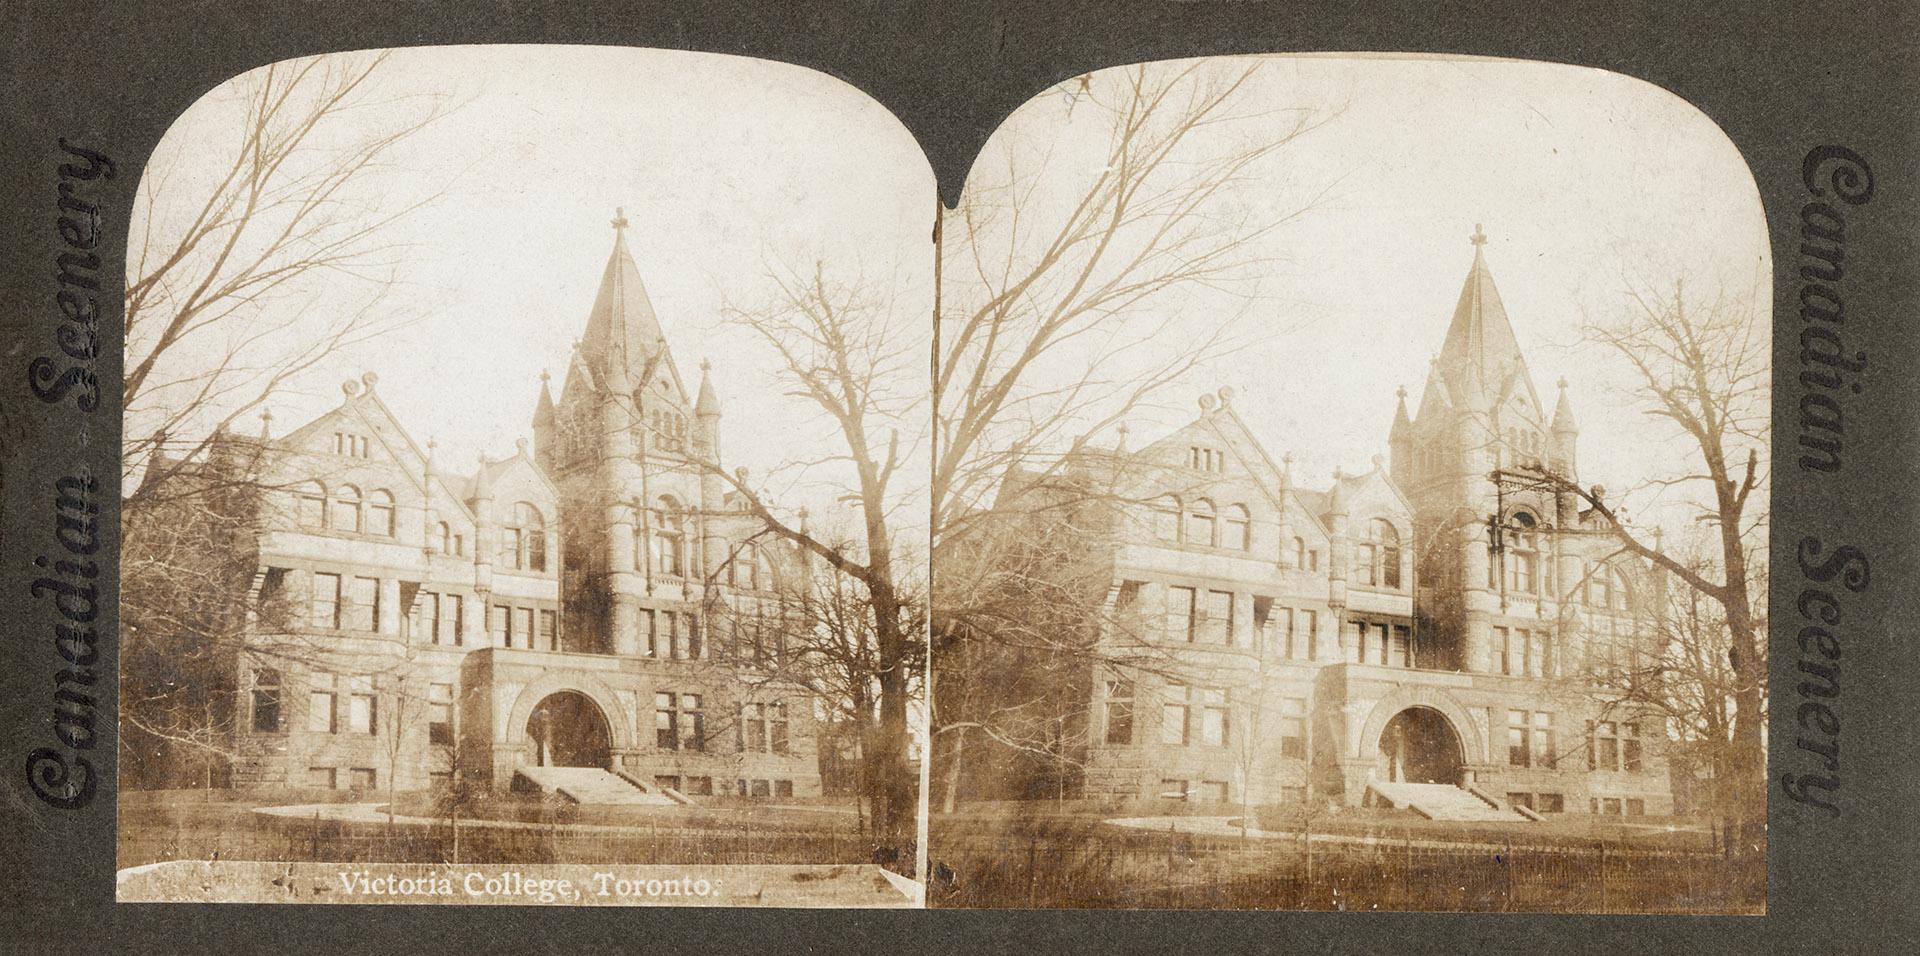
(1350, 492)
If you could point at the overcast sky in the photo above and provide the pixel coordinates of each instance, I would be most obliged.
(1584, 181)
(725, 167)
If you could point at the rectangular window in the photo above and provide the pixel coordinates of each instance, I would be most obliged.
(1263, 633)
(650, 632)
(326, 600)
(1517, 737)
(1119, 730)
(498, 625)
(783, 788)
(1543, 755)
(440, 714)
(266, 701)
(1216, 626)
(666, 781)
(1214, 791)
(1180, 613)
(362, 707)
(1363, 564)
(699, 787)
(1606, 745)
(1636, 807)
(1552, 803)
(452, 618)
(549, 631)
(696, 638)
(1293, 728)
(522, 627)
(1537, 654)
(1611, 806)
(322, 706)
(1383, 644)
(753, 728)
(362, 778)
(426, 617)
(666, 722)
(1171, 789)
(364, 615)
(1355, 642)
(1630, 748)
(1503, 646)
(1213, 717)
(761, 789)
(1390, 567)
(1281, 622)
(325, 778)
(693, 721)
(1310, 625)
(1173, 715)
(1400, 656)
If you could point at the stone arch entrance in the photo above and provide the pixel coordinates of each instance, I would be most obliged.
(567, 729)
(1420, 745)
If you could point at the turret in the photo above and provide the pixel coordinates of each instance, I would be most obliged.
(543, 427)
(1566, 433)
(706, 410)
(1340, 543)
(1400, 441)
(484, 528)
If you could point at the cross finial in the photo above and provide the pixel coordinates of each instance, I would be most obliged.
(619, 218)
(1123, 429)
(706, 365)
(1479, 238)
(543, 376)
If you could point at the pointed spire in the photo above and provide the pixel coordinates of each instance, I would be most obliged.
(543, 411)
(1120, 444)
(1563, 411)
(1402, 425)
(707, 405)
(622, 327)
(1481, 351)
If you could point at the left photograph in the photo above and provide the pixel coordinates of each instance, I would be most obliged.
(524, 486)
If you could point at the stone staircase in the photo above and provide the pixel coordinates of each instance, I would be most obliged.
(592, 785)
(1441, 801)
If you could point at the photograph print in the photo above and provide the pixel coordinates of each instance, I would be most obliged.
(1350, 493)
(524, 481)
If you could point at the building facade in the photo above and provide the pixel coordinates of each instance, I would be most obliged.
(598, 598)
(1436, 619)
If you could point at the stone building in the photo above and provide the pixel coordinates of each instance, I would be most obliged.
(1434, 620)
(597, 599)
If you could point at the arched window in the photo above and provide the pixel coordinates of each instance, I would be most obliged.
(1523, 554)
(380, 513)
(1389, 539)
(1166, 518)
(344, 511)
(1300, 553)
(311, 505)
(443, 533)
(745, 569)
(524, 541)
(1200, 523)
(669, 535)
(1236, 528)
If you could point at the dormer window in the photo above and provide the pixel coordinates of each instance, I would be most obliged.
(525, 540)
(1201, 458)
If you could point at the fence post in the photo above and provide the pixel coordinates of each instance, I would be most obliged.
(1406, 871)
(1507, 872)
(1603, 875)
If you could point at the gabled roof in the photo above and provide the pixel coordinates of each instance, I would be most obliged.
(366, 407)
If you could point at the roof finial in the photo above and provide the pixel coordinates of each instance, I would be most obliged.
(706, 365)
(543, 376)
(619, 218)
(1479, 238)
(266, 423)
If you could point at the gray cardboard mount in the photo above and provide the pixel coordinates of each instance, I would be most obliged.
(1779, 79)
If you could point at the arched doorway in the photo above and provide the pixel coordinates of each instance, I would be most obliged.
(567, 729)
(1419, 745)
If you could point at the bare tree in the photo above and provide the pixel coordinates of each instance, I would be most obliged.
(1704, 372)
(228, 260)
(1059, 317)
(844, 352)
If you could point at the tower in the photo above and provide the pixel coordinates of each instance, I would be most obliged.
(617, 444)
(1479, 414)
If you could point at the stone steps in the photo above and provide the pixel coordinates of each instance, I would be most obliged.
(1440, 801)
(592, 785)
